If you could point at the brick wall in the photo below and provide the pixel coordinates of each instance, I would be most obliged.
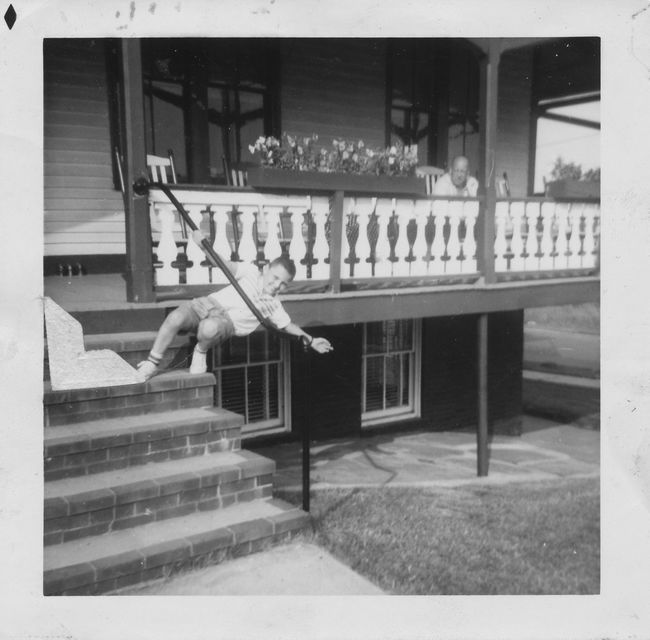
(328, 387)
(449, 378)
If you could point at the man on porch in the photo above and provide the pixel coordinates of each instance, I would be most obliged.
(220, 315)
(457, 182)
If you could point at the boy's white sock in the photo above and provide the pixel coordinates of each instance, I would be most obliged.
(199, 362)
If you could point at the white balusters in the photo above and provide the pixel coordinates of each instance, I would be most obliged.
(455, 213)
(220, 244)
(561, 244)
(532, 241)
(195, 273)
(404, 213)
(588, 257)
(420, 265)
(247, 248)
(383, 265)
(522, 239)
(297, 246)
(575, 211)
(470, 214)
(500, 242)
(167, 251)
(348, 221)
(439, 209)
(272, 246)
(546, 247)
(320, 210)
(364, 207)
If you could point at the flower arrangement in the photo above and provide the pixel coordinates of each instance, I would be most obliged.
(342, 157)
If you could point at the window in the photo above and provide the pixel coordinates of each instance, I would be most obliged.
(433, 96)
(567, 128)
(253, 380)
(208, 99)
(391, 371)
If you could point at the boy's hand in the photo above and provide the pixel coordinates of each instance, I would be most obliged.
(202, 307)
(322, 345)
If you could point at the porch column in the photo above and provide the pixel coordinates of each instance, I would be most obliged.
(489, 85)
(482, 428)
(139, 261)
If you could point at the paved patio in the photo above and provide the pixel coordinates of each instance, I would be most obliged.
(545, 451)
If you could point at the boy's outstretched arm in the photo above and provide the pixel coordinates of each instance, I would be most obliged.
(321, 345)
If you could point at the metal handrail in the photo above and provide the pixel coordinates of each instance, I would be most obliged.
(141, 187)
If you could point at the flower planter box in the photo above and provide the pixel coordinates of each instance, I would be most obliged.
(268, 178)
(573, 190)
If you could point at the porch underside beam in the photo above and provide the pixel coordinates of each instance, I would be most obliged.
(326, 309)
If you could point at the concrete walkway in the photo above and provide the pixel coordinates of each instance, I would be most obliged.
(547, 450)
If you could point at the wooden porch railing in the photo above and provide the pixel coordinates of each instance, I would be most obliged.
(348, 241)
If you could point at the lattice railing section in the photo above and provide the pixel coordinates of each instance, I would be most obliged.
(534, 236)
(389, 237)
(243, 227)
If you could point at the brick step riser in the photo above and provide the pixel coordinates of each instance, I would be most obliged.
(154, 504)
(139, 568)
(79, 459)
(84, 410)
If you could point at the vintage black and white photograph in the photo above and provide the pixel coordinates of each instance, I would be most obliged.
(320, 312)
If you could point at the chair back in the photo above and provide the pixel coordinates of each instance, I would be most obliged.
(238, 177)
(430, 175)
(158, 167)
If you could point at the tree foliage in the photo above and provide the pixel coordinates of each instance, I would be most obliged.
(571, 171)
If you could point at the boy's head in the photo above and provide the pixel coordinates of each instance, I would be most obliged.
(277, 277)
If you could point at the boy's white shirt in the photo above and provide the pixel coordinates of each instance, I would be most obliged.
(252, 282)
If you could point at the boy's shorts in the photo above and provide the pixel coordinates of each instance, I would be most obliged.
(192, 318)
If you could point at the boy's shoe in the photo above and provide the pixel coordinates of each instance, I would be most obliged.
(199, 362)
(148, 369)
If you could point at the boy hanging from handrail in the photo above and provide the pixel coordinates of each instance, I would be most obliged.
(222, 314)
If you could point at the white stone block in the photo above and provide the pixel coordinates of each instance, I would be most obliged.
(71, 366)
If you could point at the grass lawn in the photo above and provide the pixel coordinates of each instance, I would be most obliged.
(537, 538)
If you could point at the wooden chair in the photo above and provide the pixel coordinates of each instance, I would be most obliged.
(430, 175)
(158, 166)
(236, 174)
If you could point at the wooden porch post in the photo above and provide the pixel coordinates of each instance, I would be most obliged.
(482, 430)
(337, 230)
(139, 262)
(489, 85)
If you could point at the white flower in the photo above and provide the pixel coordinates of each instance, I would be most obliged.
(251, 148)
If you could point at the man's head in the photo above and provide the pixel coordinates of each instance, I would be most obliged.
(277, 277)
(459, 171)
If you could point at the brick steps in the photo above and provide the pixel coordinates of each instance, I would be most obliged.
(166, 392)
(144, 479)
(152, 551)
(115, 443)
(97, 504)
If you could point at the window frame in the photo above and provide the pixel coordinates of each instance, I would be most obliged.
(281, 424)
(395, 414)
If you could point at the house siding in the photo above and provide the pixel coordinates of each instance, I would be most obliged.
(514, 118)
(84, 213)
(336, 89)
